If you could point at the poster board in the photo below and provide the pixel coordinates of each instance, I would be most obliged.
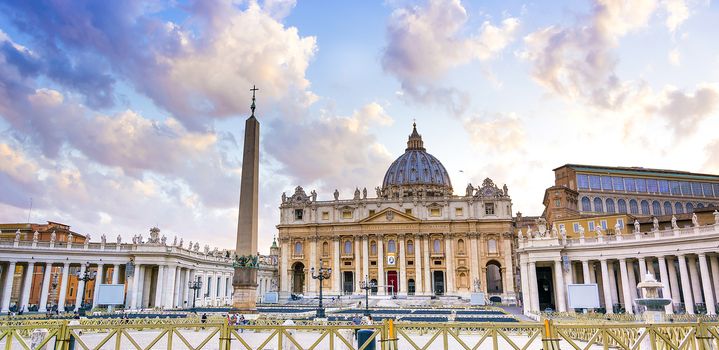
(583, 296)
(110, 294)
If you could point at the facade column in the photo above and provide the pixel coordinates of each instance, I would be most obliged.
(45, 291)
(99, 279)
(642, 269)
(673, 281)
(559, 286)
(336, 267)
(473, 260)
(449, 261)
(585, 272)
(707, 284)
(365, 256)
(694, 278)
(402, 251)
(80, 288)
(533, 291)
(63, 287)
(686, 285)
(284, 269)
(715, 275)
(526, 295)
(607, 288)
(628, 305)
(7, 288)
(26, 286)
(380, 266)
(613, 283)
(417, 246)
(159, 285)
(428, 287)
(509, 266)
(135, 287)
(356, 243)
(312, 283)
(664, 277)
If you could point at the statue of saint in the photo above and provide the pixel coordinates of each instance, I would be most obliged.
(119, 239)
(506, 190)
(180, 245)
(53, 236)
(636, 226)
(617, 228)
(695, 220)
(598, 230)
(284, 197)
(35, 236)
(470, 190)
(314, 195)
(674, 222)
(337, 194)
(87, 239)
(655, 224)
(379, 191)
(103, 239)
(357, 193)
(716, 217)
(364, 193)
(581, 231)
(520, 235)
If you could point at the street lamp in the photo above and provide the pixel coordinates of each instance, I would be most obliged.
(322, 274)
(85, 276)
(367, 285)
(195, 286)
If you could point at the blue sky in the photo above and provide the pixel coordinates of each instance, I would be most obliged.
(118, 116)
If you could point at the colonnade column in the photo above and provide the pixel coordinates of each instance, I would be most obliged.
(80, 288)
(664, 277)
(707, 284)
(116, 274)
(449, 261)
(694, 278)
(336, 267)
(526, 302)
(135, 287)
(715, 275)
(45, 291)
(402, 251)
(585, 272)
(7, 288)
(628, 305)
(159, 285)
(27, 284)
(642, 269)
(187, 301)
(428, 288)
(673, 281)
(605, 285)
(356, 243)
(63, 287)
(613, 283)
(99, 279)
(417, 246)
(686, 285)
(533, 292)
(223, 289)
(560, 287)
(632, 281)
(380, 265)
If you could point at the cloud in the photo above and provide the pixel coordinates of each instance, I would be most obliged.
(499, 133)
(674, 57)
(677, 13)
(684, 111)
(424, 42)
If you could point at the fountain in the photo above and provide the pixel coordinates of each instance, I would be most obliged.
(655, 306)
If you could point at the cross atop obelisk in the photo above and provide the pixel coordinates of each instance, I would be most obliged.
(245, 279)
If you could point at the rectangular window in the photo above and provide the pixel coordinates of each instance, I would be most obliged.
(629, 184)
(489, 208)
(617, 183)
(325, 215)
(594, 182)
(438, 262)
(346, 214)
(373, 263)
(575, 227)
(298, 214)
(604, 224)
(652, 186)
(434, 212)
(663, 186)
(371, 212)
(408, 211)
(641, 185)
(583, 182)
(410, 262)
(696, 189)
(458, 212)
(675, 189)
(716, 190)
(621, 223)
(707, 190)
(557, 203)
(606, 183)
(686, 188)
(590, 225)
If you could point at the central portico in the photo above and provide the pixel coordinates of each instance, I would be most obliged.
(412, 237)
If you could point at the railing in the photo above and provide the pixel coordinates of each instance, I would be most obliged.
(216, 334)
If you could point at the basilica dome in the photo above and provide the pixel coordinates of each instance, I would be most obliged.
(416, 172)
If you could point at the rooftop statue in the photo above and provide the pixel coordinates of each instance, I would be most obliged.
(337, 194)
(695, 220)
(674, 222)
(636, 226)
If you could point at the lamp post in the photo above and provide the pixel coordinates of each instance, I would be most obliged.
(367, 285)
(195, 286)
(85, 277)
(322, 274)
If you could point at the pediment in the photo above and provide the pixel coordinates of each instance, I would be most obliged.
(389, 215)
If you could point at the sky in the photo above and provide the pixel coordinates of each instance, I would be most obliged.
(117, 116)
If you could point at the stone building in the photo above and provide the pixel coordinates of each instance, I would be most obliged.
(412, 235)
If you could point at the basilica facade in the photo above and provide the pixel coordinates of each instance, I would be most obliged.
(411, 236)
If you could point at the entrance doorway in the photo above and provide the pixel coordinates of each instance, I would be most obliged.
(545, 286)
(410, 287)
(348, 284)
(392, 282)
(494, 277)
(373, 291)
(438, 282)
(298, 278)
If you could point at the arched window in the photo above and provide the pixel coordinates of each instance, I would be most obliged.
(633, 208)
(622, 204)
(586, 205)
(678, 208)
(492, 246)
(437, 246)
(298, 248)
(690, 208)
(598, 206)
(656, 208)
(348, 247)
(325, 249)
(373, 248)
(460, 247)
(610, 205)
(645, 207)
(410, 247)
(667, 208)
(700, 205)
(391, 246)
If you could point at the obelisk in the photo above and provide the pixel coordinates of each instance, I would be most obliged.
(245, 279)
